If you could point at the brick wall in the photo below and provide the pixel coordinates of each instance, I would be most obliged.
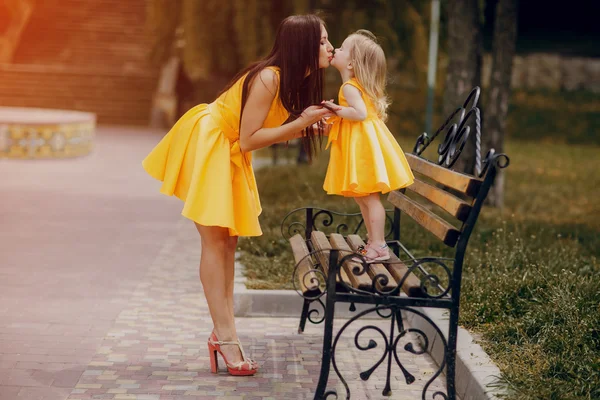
(87, 55)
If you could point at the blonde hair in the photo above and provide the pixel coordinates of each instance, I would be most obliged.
(370, 68)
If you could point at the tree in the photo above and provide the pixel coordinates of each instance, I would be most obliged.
(464, 73)
(465, 47)
(213, 38)
(498, 93)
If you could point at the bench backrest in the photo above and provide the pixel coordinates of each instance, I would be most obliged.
(445, 202)
(445, 227)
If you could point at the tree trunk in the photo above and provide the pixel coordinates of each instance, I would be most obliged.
(464, 66)
(498, 94)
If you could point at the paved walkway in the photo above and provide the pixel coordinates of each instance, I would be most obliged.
(101, 298)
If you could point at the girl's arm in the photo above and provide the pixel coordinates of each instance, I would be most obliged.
(356, 110)
(261, 94)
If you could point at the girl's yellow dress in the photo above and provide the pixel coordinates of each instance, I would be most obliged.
(201, 163)
(365, 157)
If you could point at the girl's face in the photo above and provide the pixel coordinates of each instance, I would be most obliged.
(325, 49)
(341, 58)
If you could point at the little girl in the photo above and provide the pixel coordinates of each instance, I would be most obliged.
(365, 158)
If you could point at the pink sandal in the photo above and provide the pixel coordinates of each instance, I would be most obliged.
(377, 254)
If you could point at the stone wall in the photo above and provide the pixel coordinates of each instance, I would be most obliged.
(552, 71)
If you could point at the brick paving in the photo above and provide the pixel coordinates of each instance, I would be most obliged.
(101, 296)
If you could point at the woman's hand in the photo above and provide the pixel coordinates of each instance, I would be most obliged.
(324, 125)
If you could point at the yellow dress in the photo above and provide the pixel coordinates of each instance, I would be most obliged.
(201, 163)
(365, 157)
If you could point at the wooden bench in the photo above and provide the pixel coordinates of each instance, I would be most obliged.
(444, 203)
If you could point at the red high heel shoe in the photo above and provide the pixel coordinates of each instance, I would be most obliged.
(243, 368)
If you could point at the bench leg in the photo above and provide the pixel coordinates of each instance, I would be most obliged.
(326, 359)
(399, 320)
(304, 315)
(328, 333)
(451, 366)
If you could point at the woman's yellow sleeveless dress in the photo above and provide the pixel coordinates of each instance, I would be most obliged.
(365, 157)
(201, 163)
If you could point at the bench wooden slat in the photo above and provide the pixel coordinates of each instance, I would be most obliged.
(463, 183)
(358, 281)
(427, 219)
(308, 280)
(412, 284)
(374, 269)
(456, 207)
(320, 242)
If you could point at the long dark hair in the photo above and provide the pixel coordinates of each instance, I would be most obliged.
(295, 51)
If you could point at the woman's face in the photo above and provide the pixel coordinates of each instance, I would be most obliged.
(325, 49)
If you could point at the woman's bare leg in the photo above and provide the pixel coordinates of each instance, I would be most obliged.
(230, 271)
(217, 281)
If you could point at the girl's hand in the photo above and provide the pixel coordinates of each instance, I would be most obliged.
(313, 114)
(331, 106)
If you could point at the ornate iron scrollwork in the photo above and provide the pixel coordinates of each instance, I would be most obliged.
(457, 133)
(311, 278)
(323, 220)
(418, 343)
(316, 313)
(430, 282)
(500, 161)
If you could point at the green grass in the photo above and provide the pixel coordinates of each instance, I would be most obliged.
(565, 117)
(531, 283)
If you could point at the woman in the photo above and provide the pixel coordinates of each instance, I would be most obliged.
(205, 160)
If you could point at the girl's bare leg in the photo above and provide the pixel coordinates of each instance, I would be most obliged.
(376, 213)
(365, 214)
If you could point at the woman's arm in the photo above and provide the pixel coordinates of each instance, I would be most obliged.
(261, 94)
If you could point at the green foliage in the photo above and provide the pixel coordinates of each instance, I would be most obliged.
(219, 37)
